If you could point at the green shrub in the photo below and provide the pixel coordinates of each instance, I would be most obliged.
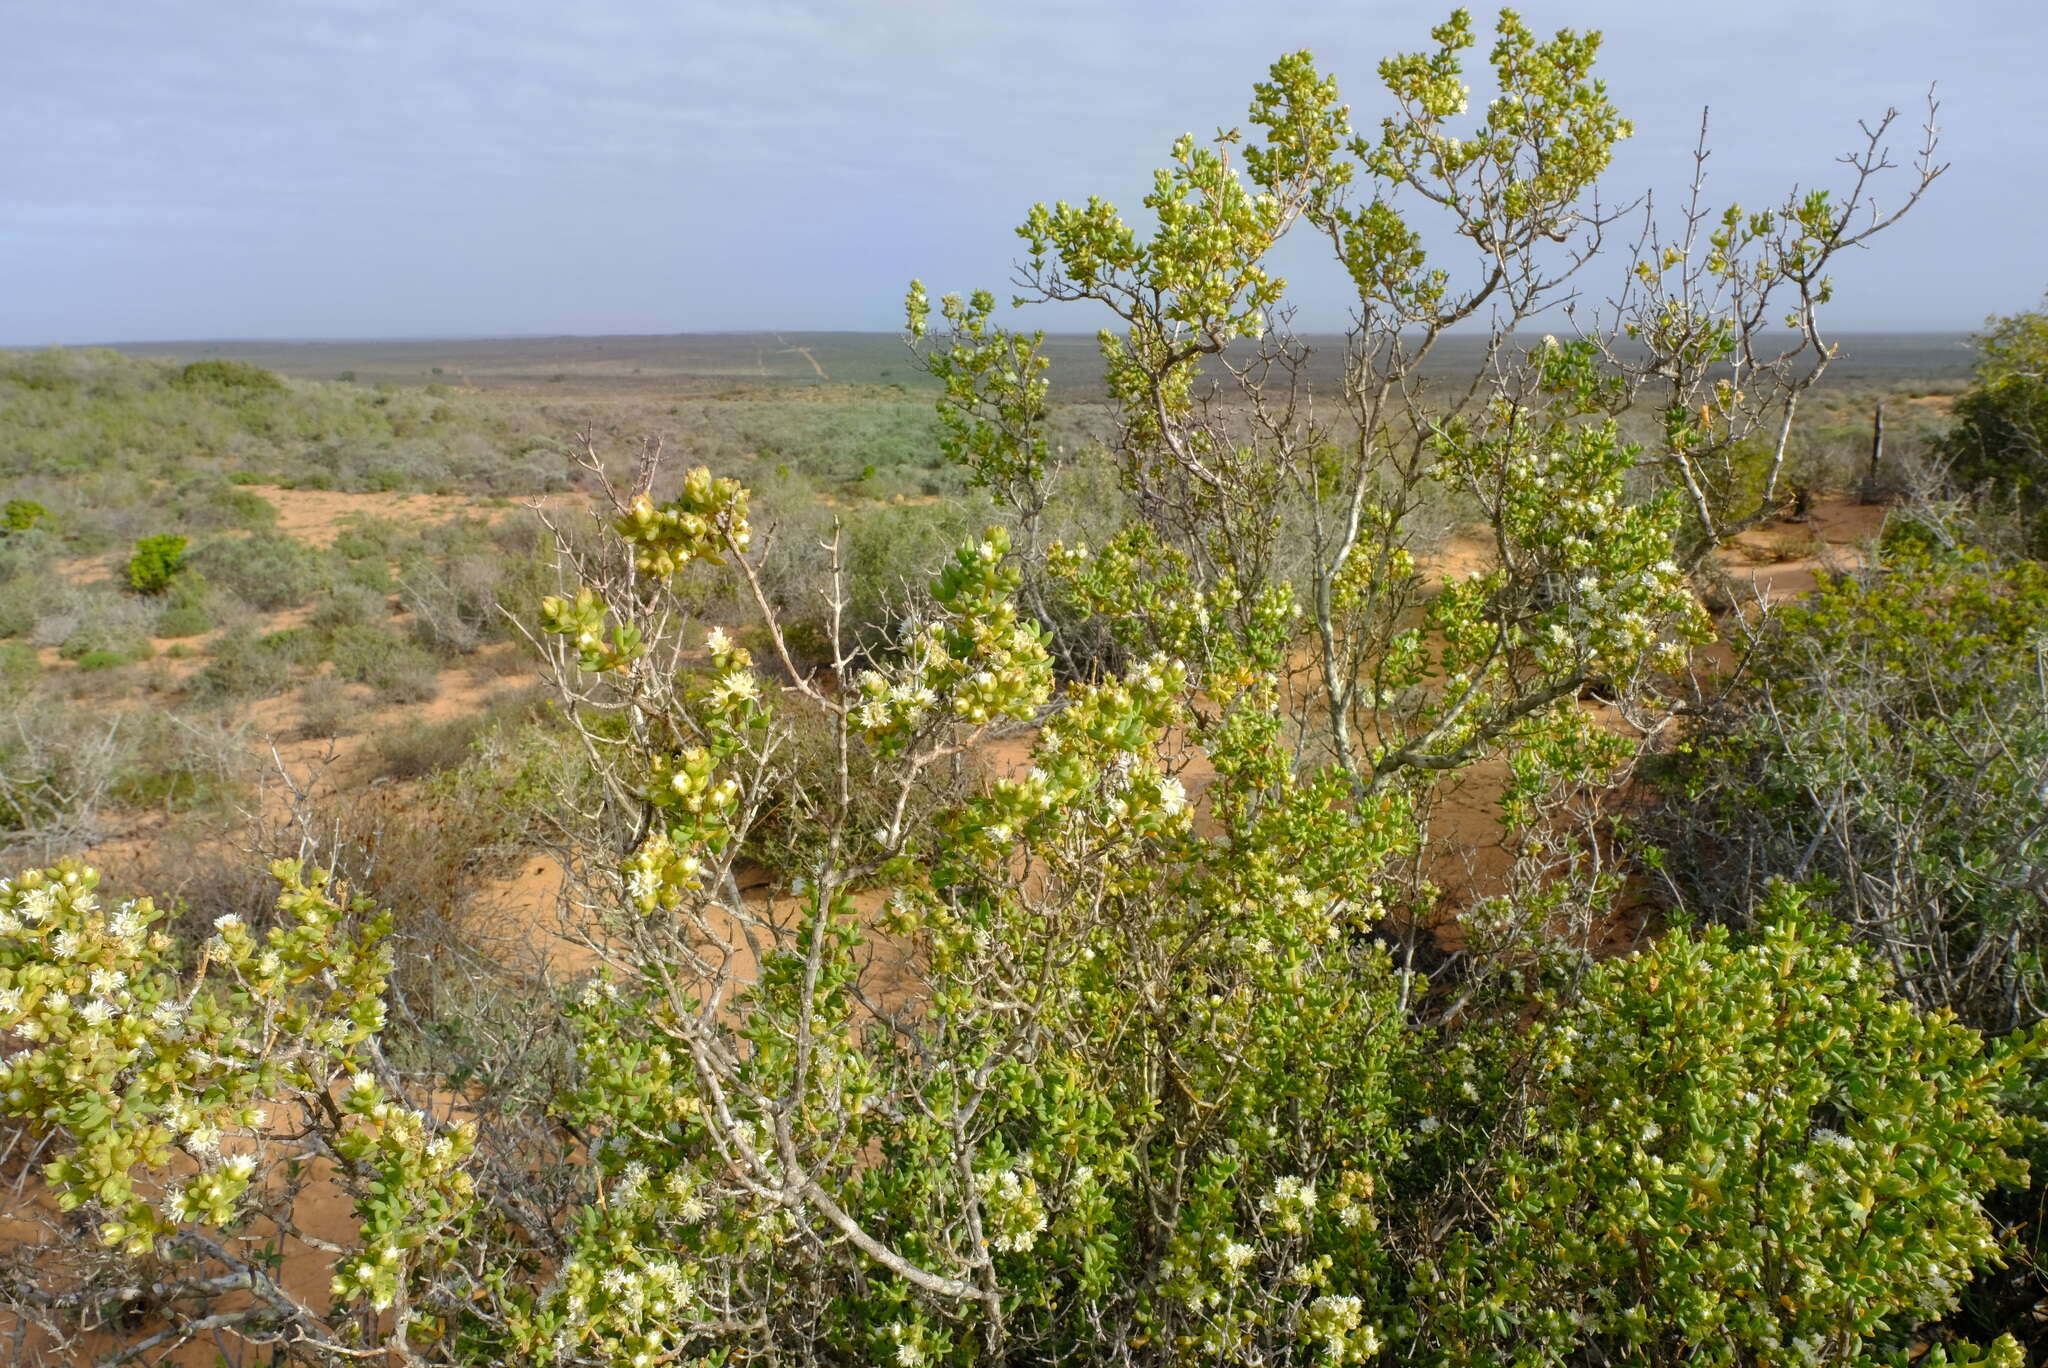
(1740, 1146)
(155, 562)
(247, 477)
(1890, 739)
(244, 508)
(1999, 439)
(174, 789)
(302, 646)
(229, 375)
(19, 515)
(19, 664)
(101, 660)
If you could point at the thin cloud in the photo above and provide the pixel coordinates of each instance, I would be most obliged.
(442, 167)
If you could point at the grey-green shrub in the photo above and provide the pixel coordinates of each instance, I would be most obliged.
(267, 570)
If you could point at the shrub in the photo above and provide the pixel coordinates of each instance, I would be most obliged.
(1999, 437)
(1745, 1146)
(1890, 741)
(241, 664)
(105, 623)
(101, 660)
(413, 750)
(183, 620)
(327, 708)
(155, 562)
(170, 790)
(19, 664)
(229, 375)
(20, 515)
(349, 605)
(24, 601)
(398, 670)
(267, 570)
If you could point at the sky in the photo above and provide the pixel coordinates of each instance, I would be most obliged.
(184, 169)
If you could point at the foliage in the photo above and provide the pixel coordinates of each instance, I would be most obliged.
(1999, 438)
(268, 571)
(21, 515)
(964, 996)
(1737, 1153)
(156, 560)
(177, 1099)
(228, 375)
(1890, 742)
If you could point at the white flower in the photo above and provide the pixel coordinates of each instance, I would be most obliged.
(1236, 1255)
(97, 1013)
(641, 885)
(717, 642)
(226, 922)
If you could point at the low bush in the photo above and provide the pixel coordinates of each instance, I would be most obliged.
(19, 664)
(99, 622)
(228, 375)
(349, 605)
(24, 601)
(328, 708)
(156, 560)
(413, 750)
(269, 571)
(241, 664)
(399, 670)
(183, 620)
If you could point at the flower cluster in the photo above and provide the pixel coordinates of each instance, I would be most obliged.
(127, 1062)
(708, 517)
(978, 663)
(583, 620)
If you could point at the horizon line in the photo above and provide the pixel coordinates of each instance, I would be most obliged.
(415, 338)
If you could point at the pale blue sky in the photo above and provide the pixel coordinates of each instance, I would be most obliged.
(282, 168)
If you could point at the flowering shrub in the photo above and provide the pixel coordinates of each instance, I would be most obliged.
(173, 1098)
(1739, 1154)
(1107, 1013)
